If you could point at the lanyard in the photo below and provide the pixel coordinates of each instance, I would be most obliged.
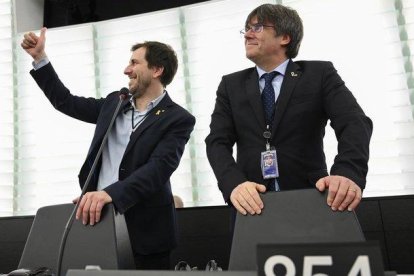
(269, 124)
(133, 125)
(267, 134)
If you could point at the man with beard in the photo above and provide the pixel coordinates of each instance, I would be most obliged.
(144, 146)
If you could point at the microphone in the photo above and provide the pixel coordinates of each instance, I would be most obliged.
(123, 94)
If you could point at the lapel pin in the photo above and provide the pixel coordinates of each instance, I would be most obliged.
(159, 111)
(293, 74)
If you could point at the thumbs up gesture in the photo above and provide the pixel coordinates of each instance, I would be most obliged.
(35, 45)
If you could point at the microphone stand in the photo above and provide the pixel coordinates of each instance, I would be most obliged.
(122, 96)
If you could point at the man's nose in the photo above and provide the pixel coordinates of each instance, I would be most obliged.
(249, 34)
(127, 70)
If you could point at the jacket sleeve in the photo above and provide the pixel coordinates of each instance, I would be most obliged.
(81, 108)
(353, 129)
(220, 142)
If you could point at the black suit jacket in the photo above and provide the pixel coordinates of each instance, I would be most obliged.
(143, 192)
(312, 92)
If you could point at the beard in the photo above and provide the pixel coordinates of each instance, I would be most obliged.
(135, 92)
(139, 88)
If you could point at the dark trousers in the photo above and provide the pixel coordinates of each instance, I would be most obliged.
(158, 261)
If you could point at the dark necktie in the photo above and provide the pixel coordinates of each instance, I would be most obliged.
(268, 96)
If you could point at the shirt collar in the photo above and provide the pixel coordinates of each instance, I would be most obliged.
(281, 69)
(152, 103)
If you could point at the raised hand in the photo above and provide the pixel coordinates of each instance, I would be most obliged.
(35, 45)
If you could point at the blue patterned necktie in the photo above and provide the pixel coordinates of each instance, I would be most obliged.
(268, 96)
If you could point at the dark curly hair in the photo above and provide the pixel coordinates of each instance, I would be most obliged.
(159, 55)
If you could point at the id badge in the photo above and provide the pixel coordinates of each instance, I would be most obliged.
(269, 164)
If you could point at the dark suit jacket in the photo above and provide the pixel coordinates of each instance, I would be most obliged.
(143, 192)
(312, 92)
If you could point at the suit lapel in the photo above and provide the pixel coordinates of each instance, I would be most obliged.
(154, 115)
(291, 78)
(253, 95)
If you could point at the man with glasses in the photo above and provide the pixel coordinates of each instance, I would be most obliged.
(143, 149)
(280, 108)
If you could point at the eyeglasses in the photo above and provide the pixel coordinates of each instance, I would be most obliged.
(256, 28)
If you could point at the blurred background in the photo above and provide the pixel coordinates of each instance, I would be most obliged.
(370, 42)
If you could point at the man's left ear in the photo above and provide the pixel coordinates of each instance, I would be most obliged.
(158, 72)
(285, 40)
